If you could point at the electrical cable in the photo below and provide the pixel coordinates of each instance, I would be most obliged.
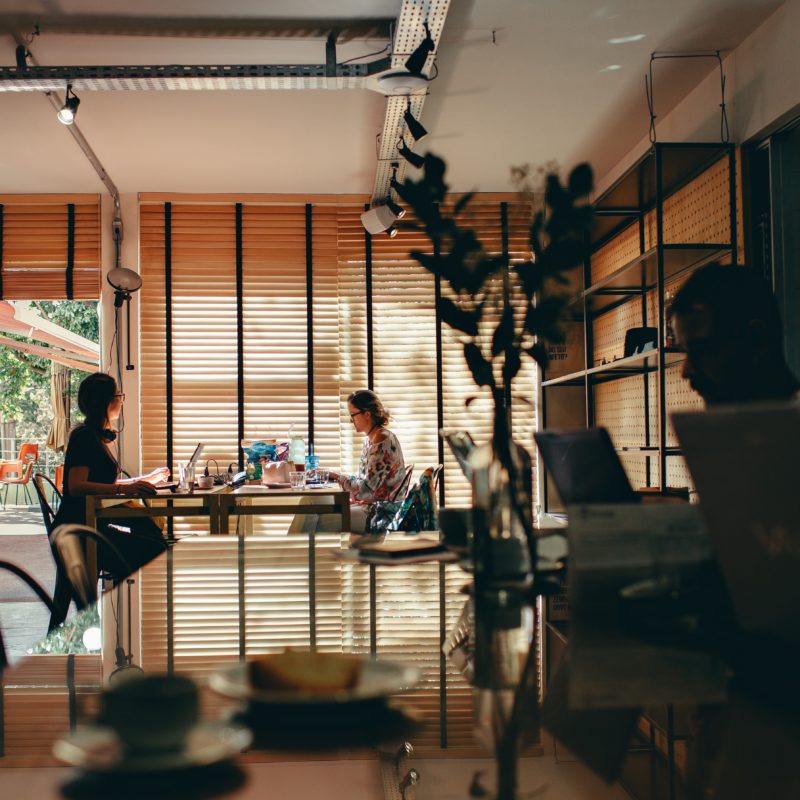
(367, 55)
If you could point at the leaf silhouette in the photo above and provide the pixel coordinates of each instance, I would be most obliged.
(480, 368)
(454, 316)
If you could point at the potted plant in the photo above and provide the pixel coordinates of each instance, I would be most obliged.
(499, 326)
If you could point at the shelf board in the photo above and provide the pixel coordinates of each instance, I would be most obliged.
(640, 274)
(621, 368)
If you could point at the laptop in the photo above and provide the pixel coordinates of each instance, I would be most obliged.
(584, 467)
(462, 444)
(744, 463)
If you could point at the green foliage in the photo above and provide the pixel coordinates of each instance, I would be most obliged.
(25, 380)
(68, 638)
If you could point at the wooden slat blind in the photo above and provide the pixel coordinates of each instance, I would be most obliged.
(35, 247)
(36, 704)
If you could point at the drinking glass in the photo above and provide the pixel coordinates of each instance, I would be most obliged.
(322, 475)
(297, 479)
(186, 472)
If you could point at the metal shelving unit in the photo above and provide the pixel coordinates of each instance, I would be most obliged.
(634, 201)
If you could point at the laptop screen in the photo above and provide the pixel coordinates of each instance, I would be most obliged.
(585, 467)
(198, 451)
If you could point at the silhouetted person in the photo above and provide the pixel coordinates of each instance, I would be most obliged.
(727, 321)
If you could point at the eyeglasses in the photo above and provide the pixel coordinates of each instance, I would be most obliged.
(353, 416)
(120, 395)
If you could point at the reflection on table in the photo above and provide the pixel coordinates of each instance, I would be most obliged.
(213, 601)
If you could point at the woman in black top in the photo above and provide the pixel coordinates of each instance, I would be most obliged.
(91, 468)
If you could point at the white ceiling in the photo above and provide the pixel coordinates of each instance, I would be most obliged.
(542, 90)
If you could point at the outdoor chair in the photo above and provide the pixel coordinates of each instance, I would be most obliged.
(18, 473)
(8, 566)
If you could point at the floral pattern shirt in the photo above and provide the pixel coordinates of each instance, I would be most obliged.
(380, 471)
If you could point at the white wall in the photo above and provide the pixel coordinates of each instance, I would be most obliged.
(763, 85)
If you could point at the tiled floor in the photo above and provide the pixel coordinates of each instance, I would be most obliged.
(23, 618)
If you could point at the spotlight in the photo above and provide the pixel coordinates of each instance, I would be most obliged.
(416, 61)
(413, 158)
(397, 210)
(415, 127)
(70, 108)
(378, 219)
(391, 232)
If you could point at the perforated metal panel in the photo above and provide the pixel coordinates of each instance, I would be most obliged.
(618, 252)
(699, 212)
(609, 330)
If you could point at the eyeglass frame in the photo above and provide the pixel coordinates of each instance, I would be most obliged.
(358, 413)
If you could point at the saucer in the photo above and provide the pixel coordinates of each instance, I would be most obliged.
(377, 679)
(96, 748)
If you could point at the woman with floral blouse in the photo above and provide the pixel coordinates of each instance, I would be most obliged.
(381, 469)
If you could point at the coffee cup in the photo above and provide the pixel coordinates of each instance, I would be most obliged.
(153, 713)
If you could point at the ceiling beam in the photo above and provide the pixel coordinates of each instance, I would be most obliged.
(197, 27)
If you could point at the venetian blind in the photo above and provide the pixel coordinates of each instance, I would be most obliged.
(49, 247)
(373, 317)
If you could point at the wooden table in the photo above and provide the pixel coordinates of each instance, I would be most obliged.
(219, 505)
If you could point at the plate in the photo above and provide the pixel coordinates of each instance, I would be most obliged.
(277, 485)
(97, 748)
(377, 679)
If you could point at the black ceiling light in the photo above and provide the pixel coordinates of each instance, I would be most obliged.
(415, 127)
(413, 158)
(416, 61)
(70, 108)
(391, 232)
(397, 210)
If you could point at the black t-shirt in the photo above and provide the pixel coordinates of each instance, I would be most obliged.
(84, 449)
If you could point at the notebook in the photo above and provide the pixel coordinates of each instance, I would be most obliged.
(584, 466)
(744, 462)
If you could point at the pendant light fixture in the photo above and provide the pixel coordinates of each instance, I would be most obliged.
(415, 159)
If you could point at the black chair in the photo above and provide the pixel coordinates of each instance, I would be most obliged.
(62, 593)
(48, 513)
(8, 566)
(69, 548)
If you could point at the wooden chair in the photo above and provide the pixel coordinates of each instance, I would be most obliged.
(8, 566)
(18, 473)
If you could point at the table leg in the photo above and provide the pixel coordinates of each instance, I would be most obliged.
(345, 511)
(223, 516)
(312, 591)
